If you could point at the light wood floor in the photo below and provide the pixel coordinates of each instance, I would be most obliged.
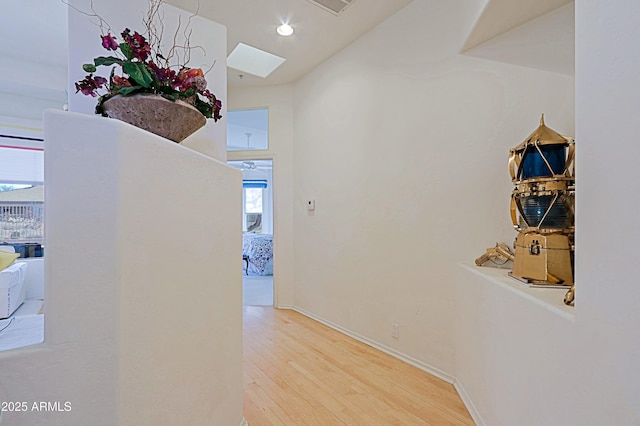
(300, 372)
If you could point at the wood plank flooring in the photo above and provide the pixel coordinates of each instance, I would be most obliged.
(300, 372)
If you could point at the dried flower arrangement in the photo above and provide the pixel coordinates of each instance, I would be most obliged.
(144, 69)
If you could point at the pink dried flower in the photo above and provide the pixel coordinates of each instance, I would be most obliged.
(109, 42)
(89, 85)
(139, 46)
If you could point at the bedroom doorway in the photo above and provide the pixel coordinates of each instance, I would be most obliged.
(257, 231)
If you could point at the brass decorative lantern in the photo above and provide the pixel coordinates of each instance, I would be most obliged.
(542, 169)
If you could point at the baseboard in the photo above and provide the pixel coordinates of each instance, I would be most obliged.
(468, 402)
(390, 351)
(285, 307)
(244, 422)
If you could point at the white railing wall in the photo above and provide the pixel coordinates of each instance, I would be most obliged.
(143, 307)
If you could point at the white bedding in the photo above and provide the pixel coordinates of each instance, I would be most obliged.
(259, 249)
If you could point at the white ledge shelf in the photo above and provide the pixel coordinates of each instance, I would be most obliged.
(514, 345)
(551, 299)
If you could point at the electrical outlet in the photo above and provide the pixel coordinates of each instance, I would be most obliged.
(395, 330)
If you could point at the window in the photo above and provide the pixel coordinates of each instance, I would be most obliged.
(21, 164)
(252, 200)
(22, 226)
(257, 195)
(247, 129)
(22, 198)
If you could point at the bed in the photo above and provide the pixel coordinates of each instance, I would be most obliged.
(258, 249)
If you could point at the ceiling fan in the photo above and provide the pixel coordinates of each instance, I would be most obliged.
(248, 165)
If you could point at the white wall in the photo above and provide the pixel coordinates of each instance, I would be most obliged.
(143, 313)
(607, 277)
(143, 321)
(403, 143)
(279, 100)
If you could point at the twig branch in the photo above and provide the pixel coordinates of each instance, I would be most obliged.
(102, 24)
(186, 48)
(154, 23)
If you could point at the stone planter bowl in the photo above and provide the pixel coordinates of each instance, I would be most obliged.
(174, 120)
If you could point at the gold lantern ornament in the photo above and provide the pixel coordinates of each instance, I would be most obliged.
(542, 169)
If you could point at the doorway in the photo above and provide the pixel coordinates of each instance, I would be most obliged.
(257, 231)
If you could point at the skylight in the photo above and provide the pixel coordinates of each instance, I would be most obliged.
(253, 60)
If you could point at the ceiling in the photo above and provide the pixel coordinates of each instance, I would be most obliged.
(532, 33)
(318, 33)
(42, 29)
(545, 40)
(500, 16)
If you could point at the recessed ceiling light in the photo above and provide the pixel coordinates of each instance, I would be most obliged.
(285, 30)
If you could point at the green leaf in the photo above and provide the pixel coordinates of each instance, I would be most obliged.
(89, 67)
(204, 108)
(126, 50)
(106, 60)
(166, 89)
(139, 72)
(187, 93)
(99, 109)
(128, 90)
(170, 96)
